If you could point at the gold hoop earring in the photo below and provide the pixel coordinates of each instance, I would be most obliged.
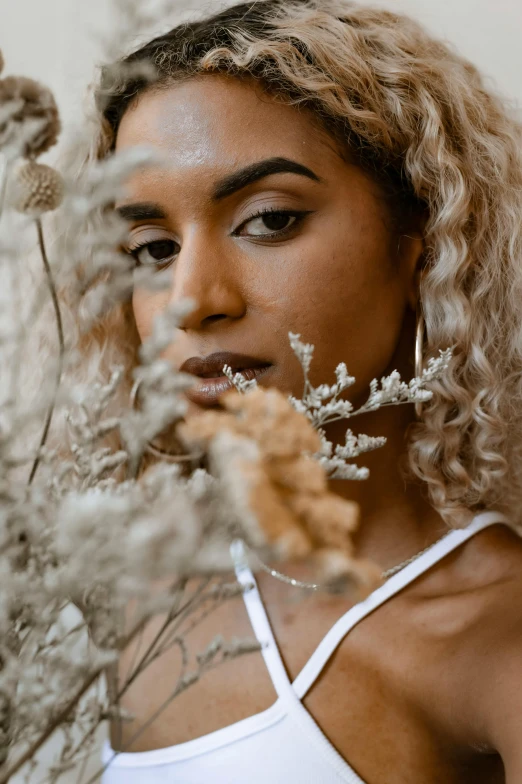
(419, 341)
(161, 454)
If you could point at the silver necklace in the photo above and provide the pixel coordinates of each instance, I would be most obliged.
(284, 578)
(408, 561)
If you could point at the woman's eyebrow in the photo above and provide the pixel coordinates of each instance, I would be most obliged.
(141, 211)
(256, 171)
(230, 184)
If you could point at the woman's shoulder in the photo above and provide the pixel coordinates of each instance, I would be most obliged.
(492, 575)
(494, 644)
(475, 594)
(488, 569)
(470, 611)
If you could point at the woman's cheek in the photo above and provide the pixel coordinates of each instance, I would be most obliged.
(146, 305)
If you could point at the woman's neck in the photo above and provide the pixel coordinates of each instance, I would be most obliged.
(396, 519)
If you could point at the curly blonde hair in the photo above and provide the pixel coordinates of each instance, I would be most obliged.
(420, 119)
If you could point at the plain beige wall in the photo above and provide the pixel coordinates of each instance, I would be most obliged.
(56, 41)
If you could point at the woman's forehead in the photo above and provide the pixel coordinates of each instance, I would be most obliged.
(216, 116)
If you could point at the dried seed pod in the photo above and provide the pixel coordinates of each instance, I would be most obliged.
(36, 189)
(36, 103)
(2, 62)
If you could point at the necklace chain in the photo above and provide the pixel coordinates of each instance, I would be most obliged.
(408, 561)
(284, 578)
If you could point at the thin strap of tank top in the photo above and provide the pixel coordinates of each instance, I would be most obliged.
(393, 585)
(329, 643)
(260, 623)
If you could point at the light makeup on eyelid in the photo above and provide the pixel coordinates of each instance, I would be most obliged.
(160, 249)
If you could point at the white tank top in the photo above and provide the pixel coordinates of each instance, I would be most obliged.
(283, 744)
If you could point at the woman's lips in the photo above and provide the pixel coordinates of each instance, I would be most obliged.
(213, 383)
(209, 390)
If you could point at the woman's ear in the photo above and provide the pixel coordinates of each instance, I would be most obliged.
(414, 292)
(412, 254)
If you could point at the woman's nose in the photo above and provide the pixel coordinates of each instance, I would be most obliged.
(205, 275)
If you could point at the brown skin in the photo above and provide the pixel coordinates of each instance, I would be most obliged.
(425, 689)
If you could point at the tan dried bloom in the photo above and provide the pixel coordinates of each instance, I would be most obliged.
(264, 415)
(287, 489)
(2, 61)
(255, 492)
(36, 189)
(36, 103)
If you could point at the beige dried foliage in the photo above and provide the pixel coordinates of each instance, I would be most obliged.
(287, 488)
(36, 103)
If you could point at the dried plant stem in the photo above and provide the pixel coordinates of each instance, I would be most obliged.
(3, 179)
(61, 343)
(53, 725)
(87, 755)
(138, 666)
(173, 640)
(60, 717)
(174, 623)
(174, 616)
(177, 590)
(181, 685)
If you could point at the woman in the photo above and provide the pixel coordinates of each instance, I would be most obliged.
(334, 171)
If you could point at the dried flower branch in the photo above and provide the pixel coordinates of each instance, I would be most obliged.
(61, 345)
(32, 105)
(323, 405)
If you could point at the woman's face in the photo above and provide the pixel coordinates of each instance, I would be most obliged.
(325, 263)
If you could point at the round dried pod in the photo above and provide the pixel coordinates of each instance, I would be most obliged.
(36, 103)
(36, 189)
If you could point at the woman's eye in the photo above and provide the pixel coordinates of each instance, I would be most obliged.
(157, 252)
(271, 223)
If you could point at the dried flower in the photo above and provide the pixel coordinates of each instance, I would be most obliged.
(275, 463)
(323, 405)
(261, 448)
(36, 189)
(264, 415)
(2, 62)
(32, 102)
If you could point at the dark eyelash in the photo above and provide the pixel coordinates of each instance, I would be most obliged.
(136, 249)
(299, 215)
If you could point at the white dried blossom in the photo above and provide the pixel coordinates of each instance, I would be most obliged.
(105, 181)
(164, 329)
(343, 379)
(159, 385)
(337, 468)
(322, 405)
(303, 351)
(239, 381)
